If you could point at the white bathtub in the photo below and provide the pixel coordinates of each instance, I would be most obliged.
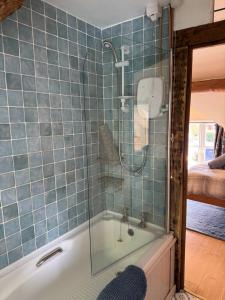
(67, 276)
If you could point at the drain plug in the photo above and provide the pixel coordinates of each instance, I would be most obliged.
(130, 231)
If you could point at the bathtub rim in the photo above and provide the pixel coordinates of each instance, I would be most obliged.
(38, 253)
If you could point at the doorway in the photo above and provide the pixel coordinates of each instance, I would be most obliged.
(185, 42)
(205, 199)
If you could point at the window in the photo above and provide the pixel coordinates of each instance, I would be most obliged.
(219, 10)
(201, 142)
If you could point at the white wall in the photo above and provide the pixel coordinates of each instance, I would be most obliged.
(193, 13)
(208, 106)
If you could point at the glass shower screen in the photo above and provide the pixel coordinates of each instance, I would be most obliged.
(126, 136)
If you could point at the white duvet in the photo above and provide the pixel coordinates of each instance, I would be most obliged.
(205, 181)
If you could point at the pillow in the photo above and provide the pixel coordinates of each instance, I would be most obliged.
(217, 163)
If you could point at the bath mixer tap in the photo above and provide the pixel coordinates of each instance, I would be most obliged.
(124, 218)
(142, 223)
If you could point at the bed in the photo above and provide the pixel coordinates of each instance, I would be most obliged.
(206, 185)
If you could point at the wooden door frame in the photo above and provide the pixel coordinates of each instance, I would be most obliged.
(184, 42)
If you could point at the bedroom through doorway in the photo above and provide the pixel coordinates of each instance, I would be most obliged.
(205, 199)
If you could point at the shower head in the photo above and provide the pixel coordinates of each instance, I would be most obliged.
(109, 45)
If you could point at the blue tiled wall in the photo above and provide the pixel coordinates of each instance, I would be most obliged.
(42, 140)
(44, 151)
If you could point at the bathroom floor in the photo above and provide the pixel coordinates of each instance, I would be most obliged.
(205, 266)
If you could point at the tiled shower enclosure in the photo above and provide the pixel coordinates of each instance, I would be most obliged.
(57, 86)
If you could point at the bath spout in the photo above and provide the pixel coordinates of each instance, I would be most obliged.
(124, 218)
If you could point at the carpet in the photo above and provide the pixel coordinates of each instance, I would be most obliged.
(206, 218)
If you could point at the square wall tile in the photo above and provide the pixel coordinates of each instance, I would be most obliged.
(10, 212)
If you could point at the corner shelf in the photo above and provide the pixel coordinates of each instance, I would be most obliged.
(111, 182)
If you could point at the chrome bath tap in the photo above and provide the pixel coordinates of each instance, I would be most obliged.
(142, 223)
(124, 218)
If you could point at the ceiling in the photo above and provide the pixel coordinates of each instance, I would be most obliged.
(102, 13)
(208, 63)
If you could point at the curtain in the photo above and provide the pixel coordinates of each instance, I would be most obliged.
(219, 147)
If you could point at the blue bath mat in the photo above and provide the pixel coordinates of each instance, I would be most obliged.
(207, 219)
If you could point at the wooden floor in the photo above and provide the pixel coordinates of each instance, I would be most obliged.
(205, 266)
